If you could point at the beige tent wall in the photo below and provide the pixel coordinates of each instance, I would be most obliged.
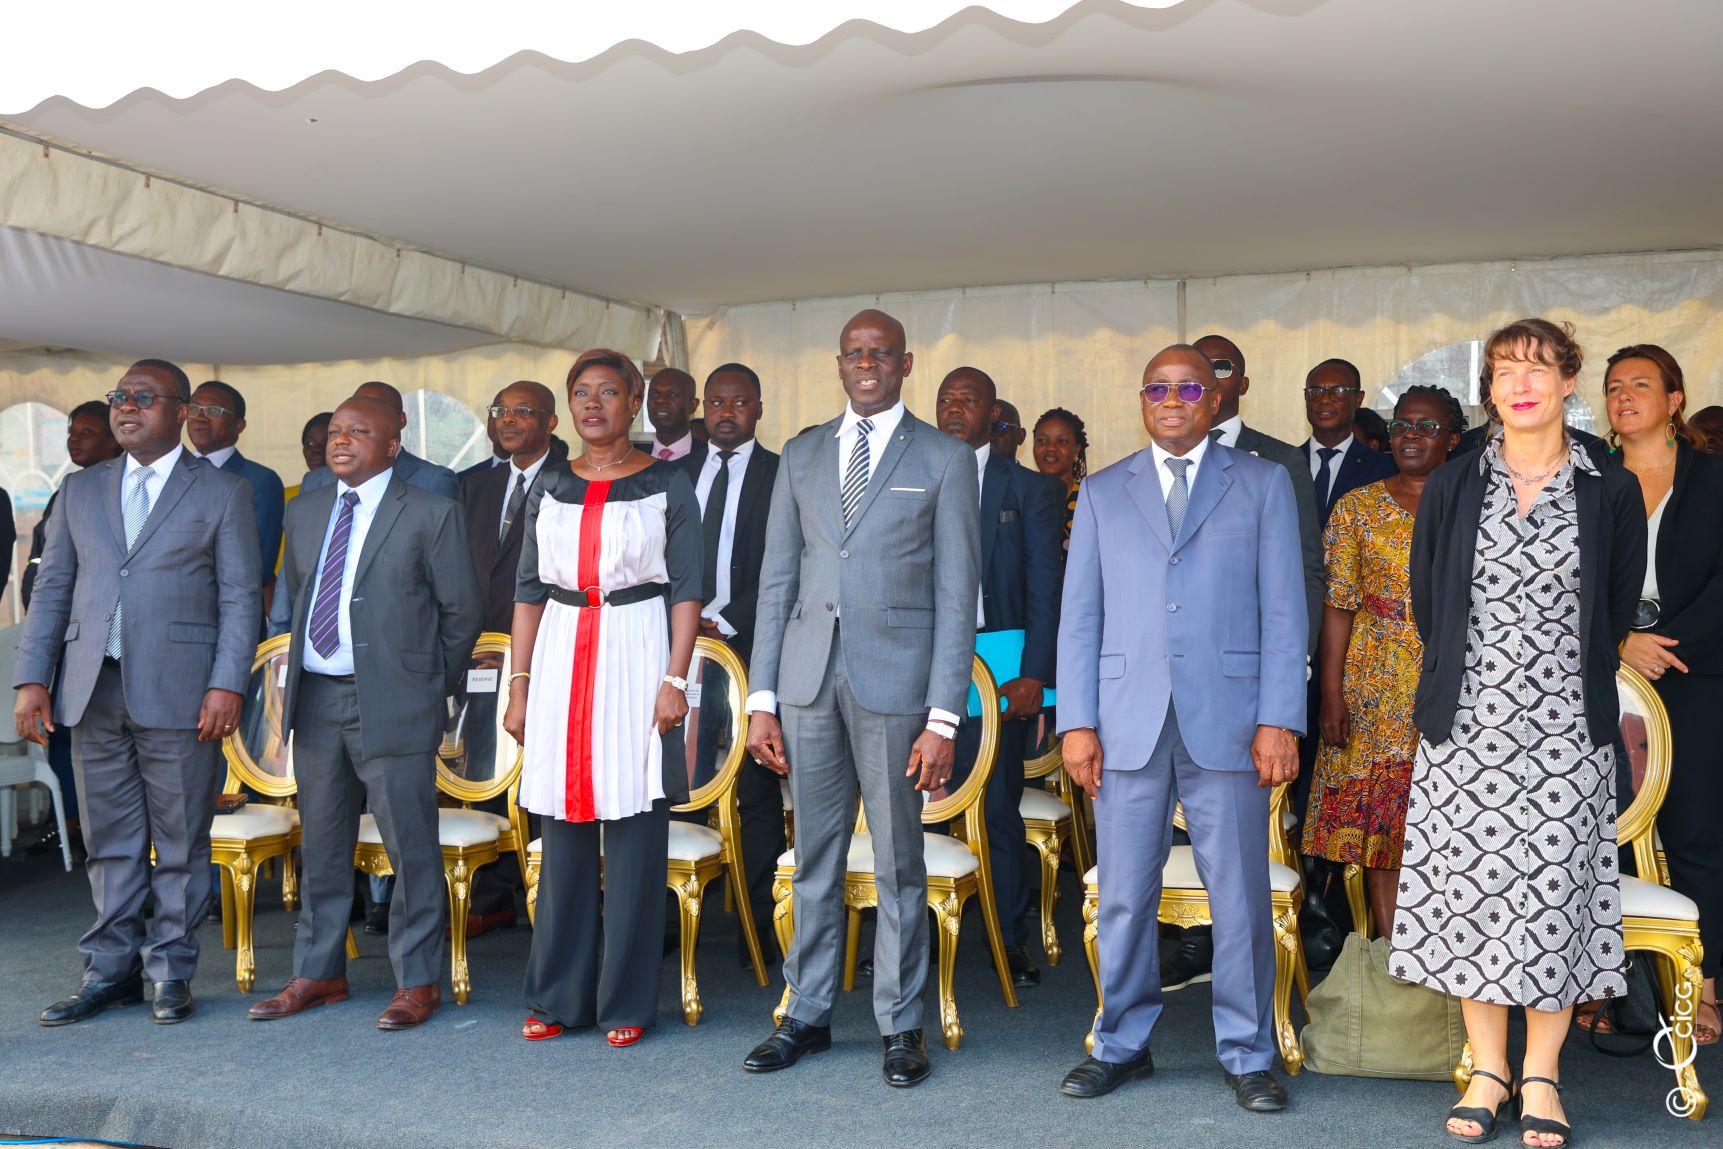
(1083, 346)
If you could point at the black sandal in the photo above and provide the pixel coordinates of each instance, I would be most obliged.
(1544, 1126)
(1487, 1120)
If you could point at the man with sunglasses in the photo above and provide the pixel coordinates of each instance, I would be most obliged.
(1007, 432)
(1182, 643)
(147, 602)
(214, 421)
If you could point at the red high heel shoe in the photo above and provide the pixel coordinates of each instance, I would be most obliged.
(535, 1030)
(624, 1037)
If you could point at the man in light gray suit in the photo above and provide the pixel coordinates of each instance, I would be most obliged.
(148, 588)
(1181, 677)
(863, 641)
(386, 610)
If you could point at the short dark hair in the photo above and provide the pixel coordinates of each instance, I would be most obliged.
(232, 394)
(321, 419)
(1345, 365)
(1071, 420)
(1370, 425)
(173, 371)
(979, 374)
(95, 409)
(736, 369)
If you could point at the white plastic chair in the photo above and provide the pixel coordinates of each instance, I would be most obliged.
(23, 762)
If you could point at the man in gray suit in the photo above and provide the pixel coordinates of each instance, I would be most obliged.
(148, 588)
(1181, 677)
(863, 641)
(386, 610)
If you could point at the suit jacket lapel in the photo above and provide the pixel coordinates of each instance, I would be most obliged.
(753, 487)
(1211, 485)
(111, 480)
(996, 477)
(1145, 489)
(894, 449)
(178, 482)
(394, 498)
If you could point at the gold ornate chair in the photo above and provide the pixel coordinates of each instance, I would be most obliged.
(1049, 822)
(699, 854)
(477, 761)
(957, 869)
(1655, 920)
(1184, 902)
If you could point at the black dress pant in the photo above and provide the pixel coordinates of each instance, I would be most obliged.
(1007, 846)
(760, 807)
(1688, 819)
(598, 940)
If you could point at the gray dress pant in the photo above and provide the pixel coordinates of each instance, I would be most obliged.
(836, 747)
(139, 786)
(336, 781)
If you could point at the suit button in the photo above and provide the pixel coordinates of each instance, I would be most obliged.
(1174, 561)
(828, 606)
(1172, 607)
(124, 573)
(843, 554)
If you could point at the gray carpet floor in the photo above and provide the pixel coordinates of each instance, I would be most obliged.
(330, 1078)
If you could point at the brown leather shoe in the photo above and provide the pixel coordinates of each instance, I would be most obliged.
(411, 1006)
(299, 995)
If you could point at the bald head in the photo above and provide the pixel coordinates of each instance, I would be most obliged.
(383, 393)
(1179, 398)
(522, 431)
(872, 361)
(1008, 433)
(1232, 384)
(670, 404)
(873, 317)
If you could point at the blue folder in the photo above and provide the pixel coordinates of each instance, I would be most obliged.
(1002, 651)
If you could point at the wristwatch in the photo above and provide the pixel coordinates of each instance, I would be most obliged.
(679, 683)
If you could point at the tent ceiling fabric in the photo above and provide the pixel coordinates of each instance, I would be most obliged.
(57, 293)
(1114, 141)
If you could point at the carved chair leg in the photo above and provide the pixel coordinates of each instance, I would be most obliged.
(1682, 985)
(1092, 950)
(852, 946)
(229, 936)
(948, 912)
(459, 879)
(290, 881)
(352, 945)
(688, 900)
(529, 878)
(783, 924)
(1286, 961)
(1049, 851)
(240, 903)
(1353, 876)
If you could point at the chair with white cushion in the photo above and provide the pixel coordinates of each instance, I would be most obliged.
(477, 762)
(1655, 920)
(957, 869)
(700, 853)
(1184, 902)
(24, 762)
(1049, 823)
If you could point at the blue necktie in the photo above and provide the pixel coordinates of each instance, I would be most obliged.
(137, 509)
(1179, 497)
(326, 612)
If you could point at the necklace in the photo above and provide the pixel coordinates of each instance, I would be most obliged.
(1541, 476)
(586, 457)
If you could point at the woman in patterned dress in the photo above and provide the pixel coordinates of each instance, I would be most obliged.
(1370, 655)
(606, 609)
(1062, 452)
(1527, 560)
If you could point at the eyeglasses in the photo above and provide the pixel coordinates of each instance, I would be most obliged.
(1188, 391)
(1335, 392)
(206, 409)
(1423, 428)
(1223, 368)
(143, 400)
(517, 412)
(1001, 428)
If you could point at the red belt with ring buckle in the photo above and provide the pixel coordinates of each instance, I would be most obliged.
(1393, 608)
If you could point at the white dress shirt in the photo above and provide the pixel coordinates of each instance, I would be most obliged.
(884, 424)
(370, 496)
(676, 450)
(159, 472)
(727, 530)
(1229, 431)
(1314, 451)
(515, 474)
(982, 454)
(1165, 473)
(219, 456)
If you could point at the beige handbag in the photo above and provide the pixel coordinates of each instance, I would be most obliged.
(1365, 1023)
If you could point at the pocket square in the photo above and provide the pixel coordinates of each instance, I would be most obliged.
(1009, 516)
(911, 490)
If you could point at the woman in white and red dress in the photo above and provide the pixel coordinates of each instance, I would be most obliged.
(606, 611)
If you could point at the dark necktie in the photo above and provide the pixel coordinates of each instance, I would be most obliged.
(326, 612)
(1324, 476)
(712, 524)
(517, 498)
(856, 476)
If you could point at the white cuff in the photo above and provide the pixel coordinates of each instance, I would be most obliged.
(766, 700)
(935, 714)
(728, 631)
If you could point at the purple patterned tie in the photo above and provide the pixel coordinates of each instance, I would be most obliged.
(326, 612)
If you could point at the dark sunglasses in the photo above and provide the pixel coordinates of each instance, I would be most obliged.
(1423, 428)
(1223, 368)
(1335, 392)
(143, 400)
(517, 412)
(1001, 428)
(1188, 391)
(208, 410)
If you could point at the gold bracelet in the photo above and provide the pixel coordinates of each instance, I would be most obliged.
(519, 674)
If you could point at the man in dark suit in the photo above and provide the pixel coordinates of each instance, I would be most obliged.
(670, 404)
(495, 501)
(1340, 461)
(733, 482)
(1008, 432)
(1022, 547)
(386, 608)
(412, 470)
(213, 423)
(146, 605)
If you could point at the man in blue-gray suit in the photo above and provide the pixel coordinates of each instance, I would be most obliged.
(214, 419)
(1182, 642)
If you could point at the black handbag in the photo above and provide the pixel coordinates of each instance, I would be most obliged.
(1636, 1015)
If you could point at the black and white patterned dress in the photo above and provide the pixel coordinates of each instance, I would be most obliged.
(1508, 887)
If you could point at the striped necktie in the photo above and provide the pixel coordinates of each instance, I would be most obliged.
(856, 477)
(1179, 497)
(137, 509)
(326, 612)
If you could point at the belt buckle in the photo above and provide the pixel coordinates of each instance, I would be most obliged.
(594, 596)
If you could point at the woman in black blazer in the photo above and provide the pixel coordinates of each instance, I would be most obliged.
(1677, 640)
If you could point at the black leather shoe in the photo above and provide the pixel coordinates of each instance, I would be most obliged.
(1258, 1092)
(1190, 963)
(93, 999)
(377, 919)
(1096, 1078)
(789, 1043)
(172, 1002)
(1023, 971)
(906, 1061)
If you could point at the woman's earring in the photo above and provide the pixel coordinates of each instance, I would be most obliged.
(1614, 441)
(1671, 432)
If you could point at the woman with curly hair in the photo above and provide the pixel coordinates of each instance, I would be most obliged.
(1062, 452)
